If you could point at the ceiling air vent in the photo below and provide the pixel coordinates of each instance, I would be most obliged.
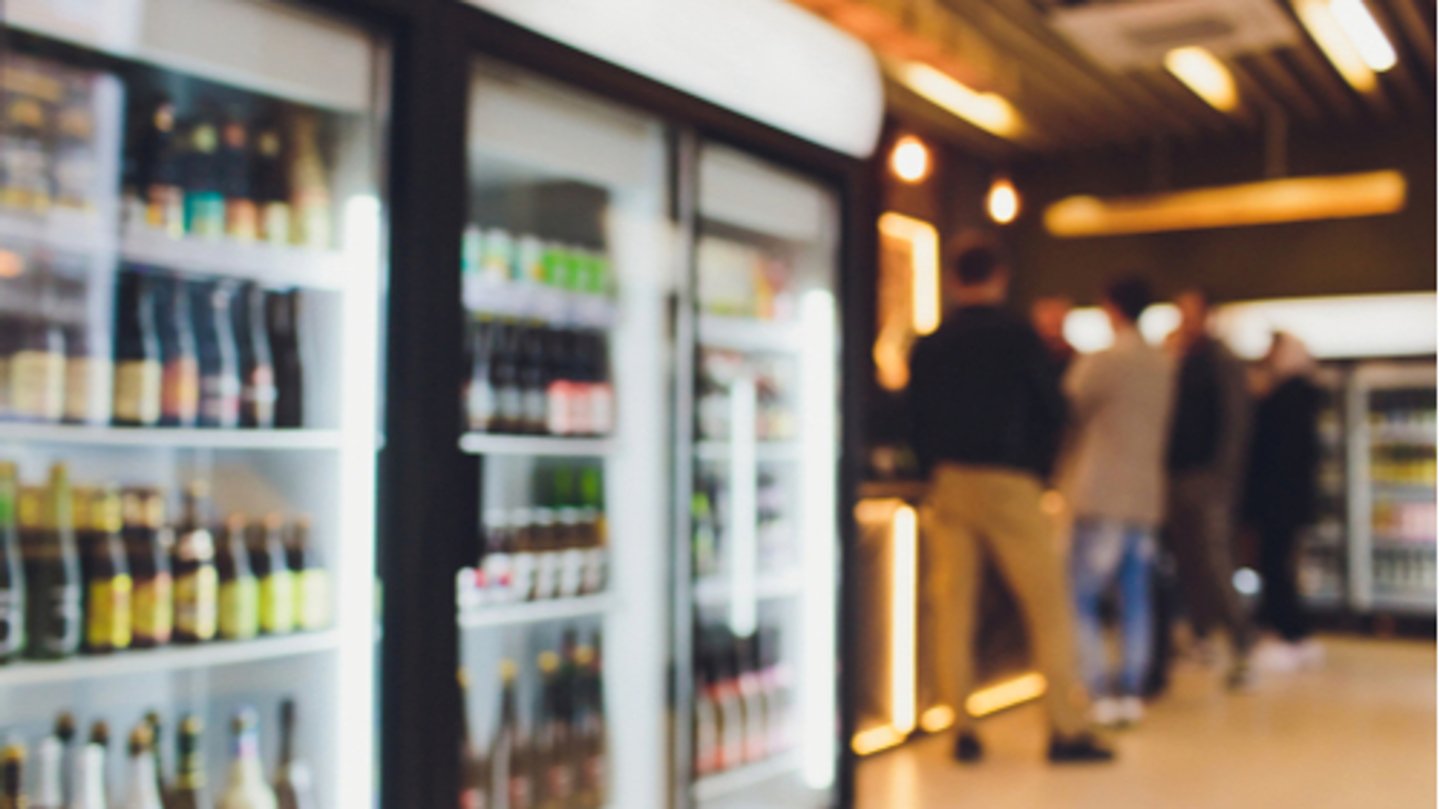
(1138, 34)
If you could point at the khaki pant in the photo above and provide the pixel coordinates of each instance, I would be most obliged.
(972, 511)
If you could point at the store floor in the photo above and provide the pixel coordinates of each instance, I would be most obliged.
(1359, 732)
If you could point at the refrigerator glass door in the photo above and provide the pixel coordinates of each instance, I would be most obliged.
(567, 272)
(191, 275)
(763, 511)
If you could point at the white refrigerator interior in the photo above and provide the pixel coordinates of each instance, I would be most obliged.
(217, 158)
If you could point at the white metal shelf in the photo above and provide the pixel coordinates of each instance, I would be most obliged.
(60, 229)
(713, 591)
(748, 334)
(720, 785)
(265, 264)
(718, 450)
(168, 659)
(1414, 603)
(172, 438)
(547, 445)
(534, 612)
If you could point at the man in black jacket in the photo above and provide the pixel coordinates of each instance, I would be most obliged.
(1208, 445)
(987, 415)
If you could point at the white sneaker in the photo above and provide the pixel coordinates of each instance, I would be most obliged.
(1309, 653)
(1276, 656)
(1132, 710)
(1105, 712)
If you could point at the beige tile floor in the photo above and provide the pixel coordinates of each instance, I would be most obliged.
(1359, 732)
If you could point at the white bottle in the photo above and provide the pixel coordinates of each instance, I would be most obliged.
(88, 791)
(140, 790)
(246, 787)
(48, 756)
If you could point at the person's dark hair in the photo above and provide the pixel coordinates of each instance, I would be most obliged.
(976, 264)
(1130, 295)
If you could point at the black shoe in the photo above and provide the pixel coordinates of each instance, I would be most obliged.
(968, 749)
(1082, 749)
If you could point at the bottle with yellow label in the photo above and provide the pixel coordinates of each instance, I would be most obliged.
(107, 582)
(197, 586)
(239, 592)
(277, 586)
(312, 580)
(149, 541)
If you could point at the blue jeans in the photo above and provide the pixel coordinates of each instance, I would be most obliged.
(1107, 553)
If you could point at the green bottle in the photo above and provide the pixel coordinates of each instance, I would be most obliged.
(52, 570)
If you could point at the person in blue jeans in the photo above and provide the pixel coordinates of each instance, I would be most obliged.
(1113, 478)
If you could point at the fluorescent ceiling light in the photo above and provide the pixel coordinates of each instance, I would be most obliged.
(1268, 202)
(988, 111)
(1323, 19)
(1205, 75)
(1364, 32)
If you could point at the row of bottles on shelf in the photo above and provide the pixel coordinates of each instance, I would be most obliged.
(1404, 570)
(1403, 465)
(525, 276)
(556, 548)
(186, 352)
(742, 280)
(209, 172)
(102, 571)
(555, 756)
(744, 700)
(534, 379)
(1403, 521)
(774, 412)
(1405, 416)
(709, 513)
(67, 774)
(47, 136)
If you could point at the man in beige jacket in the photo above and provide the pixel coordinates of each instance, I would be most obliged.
(1113, 476)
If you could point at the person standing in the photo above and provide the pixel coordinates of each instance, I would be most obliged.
(1048, 316)
(1113, 477)
(1207, 457)
(1281, 497)
(986, 419)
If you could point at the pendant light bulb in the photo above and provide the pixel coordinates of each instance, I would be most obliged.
(1003, 201)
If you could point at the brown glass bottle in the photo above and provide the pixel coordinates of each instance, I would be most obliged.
(196, 582)
(12, 570)
(108, 585)
(474, 767)
(52, 569)
(311, 601)
(239, 617)
(148, 544)
(272, 571)
(189, 790)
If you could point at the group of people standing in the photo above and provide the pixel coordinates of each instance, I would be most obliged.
(1153, 450)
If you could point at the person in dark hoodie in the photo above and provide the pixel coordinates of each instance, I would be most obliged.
(987, 413)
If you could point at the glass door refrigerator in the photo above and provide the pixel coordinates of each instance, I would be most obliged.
(190, 281)
(1323, 564)
(568, 276)
(762, 560)
(1392, 493)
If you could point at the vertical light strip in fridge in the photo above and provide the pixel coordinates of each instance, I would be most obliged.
(744, 512)
(354, 555)
(819, 424)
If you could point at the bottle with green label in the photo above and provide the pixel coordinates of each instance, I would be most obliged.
(12, 570)
(239, 591)
(52, 569)
(108, 583)
(272, 570)
(197, 586)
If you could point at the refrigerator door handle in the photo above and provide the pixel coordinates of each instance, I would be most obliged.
(744, 513)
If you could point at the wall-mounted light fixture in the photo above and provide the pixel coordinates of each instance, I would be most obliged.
(910, 159)
(1002, 201)
(1351, 39)
(991, 112)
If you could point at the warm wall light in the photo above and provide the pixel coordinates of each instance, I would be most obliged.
(872, 740)
(1268, 202)
(904, 601)
(910, 159)
(924, 243)
(1329, 21)
(1005, 694)
(989, 111)
(1205, 75)
(937, 718)
(1003, 201)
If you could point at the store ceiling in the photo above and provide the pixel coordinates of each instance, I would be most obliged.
(1052, 61)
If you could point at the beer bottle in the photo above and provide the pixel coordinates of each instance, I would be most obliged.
(108, 586)
(479, 388)
(180, 375)
(257, 372)
(37, 371)
(242, 215)
(12, 570)
(188, 791)
(498, 560)
(293, 785)
(592, 518)
(474, 768)
(196, 583)
(87, 377)
(534, 380)
(159, 171)
(525, 560)
(52, 569)
(138, 369)
(49, 755)
(277, 585)
(12, 777)
(282, 311)
(157, 750)
(149, 542)
(245, 787)
(505, 379)
(547, 563)
(552, 744)
(89, 790)
(239, 591)
(512, 752)
(216, 353)
(309, 184)
(140, 791)
(100, 739)
(204, 203)
(65, 731)
(271, 187)
(590, 718)
(311, 600)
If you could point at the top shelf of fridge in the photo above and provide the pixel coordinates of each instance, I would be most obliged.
(535, 445)
(750, 335)
(265, 264)
(268, 48)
